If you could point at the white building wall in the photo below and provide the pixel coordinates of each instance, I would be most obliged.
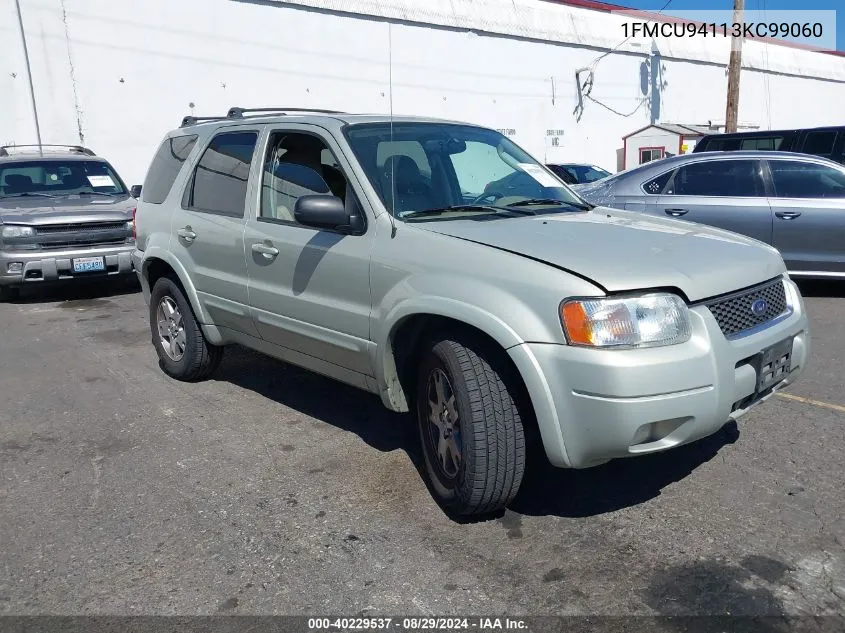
(117, 74)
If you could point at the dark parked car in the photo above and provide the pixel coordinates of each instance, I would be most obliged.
(577, 173)
(794, 202)
(827, 142)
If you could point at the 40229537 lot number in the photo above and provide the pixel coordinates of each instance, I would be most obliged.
(416, 624)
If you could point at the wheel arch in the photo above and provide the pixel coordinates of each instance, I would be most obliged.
(409, 326)
(160, 263)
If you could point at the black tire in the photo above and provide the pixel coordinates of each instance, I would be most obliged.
(491, 435)
(8, 293)
(200, 358)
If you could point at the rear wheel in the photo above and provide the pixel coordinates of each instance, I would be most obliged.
(470, 425)
(183, 351)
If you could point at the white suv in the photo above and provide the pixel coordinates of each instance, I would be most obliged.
(392, 254)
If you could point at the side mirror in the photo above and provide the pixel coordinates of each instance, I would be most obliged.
(322, 211)
(135, 191)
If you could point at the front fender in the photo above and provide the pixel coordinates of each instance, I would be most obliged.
(158, 253)
(475, 308)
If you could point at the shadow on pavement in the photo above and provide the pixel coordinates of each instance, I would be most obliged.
(325, 399)
(77, 290)
(545, 491)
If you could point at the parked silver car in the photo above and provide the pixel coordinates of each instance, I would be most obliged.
(376, 252)
(795, 202)
(65, 214)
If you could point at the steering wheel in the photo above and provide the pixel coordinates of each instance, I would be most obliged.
(492, 195)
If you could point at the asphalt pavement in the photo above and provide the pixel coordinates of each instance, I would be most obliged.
(271, 490)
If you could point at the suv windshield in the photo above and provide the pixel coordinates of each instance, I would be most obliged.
(419, 169)
(57, 177)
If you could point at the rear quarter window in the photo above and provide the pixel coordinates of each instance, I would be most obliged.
(165, 167)
(658, 184)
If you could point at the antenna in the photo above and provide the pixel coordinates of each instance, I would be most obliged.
(392, 210)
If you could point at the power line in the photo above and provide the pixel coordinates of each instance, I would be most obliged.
(607, 107)
(616, 48)
(584, 89)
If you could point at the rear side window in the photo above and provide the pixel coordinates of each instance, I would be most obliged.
(166, 164)
(718, 145)
(819, 143)
(734, 178)
(220, 179)
(764, 143)
(794, 179)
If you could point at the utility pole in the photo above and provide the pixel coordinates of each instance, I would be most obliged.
(734, 68)
(29, 76)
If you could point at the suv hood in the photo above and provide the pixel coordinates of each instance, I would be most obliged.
(34, 210)
(622, 250)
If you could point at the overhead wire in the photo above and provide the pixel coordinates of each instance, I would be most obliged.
(586, 88)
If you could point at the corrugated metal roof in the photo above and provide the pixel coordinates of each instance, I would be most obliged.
(676, 128)
(686, 130)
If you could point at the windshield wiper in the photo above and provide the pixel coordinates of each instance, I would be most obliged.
(465, 208)
(551, 201)
(29, 193)
(99, 193)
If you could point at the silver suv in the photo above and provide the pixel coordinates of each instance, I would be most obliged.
(65, 213)
(390, 254)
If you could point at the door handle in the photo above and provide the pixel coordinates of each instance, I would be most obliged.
(787, 215)
(675, 213)
(187, 234)
(268, 251)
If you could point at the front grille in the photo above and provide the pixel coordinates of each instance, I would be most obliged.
(78, 227)
(89, 242)
(734, 315)
(73, 234)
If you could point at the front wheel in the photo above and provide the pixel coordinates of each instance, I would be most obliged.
(470, 425)
(183, 351)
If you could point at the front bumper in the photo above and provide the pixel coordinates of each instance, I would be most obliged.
(55, 265)
(595, 405)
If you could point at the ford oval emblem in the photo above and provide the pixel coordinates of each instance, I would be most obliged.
(759, 307)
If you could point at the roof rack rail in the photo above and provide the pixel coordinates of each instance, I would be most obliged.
(193, 120)
(238, 113)
(78, 149)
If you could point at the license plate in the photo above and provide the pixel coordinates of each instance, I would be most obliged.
(773, 364)
(88, 264)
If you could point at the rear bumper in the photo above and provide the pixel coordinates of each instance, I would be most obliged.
(597, 405)
(51, 266)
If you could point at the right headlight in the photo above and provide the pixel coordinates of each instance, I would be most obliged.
(627, 322)
(11, 231)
